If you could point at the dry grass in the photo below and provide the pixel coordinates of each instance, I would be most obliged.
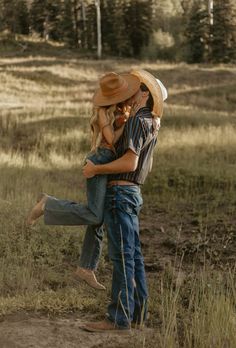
(45, 105)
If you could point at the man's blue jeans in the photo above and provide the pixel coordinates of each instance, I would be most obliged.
(129, 288)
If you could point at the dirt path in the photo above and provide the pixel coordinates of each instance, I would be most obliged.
(41, 332)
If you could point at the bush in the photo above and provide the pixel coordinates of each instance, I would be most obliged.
(161, 46)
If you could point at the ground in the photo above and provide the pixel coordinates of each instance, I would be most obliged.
(28, 331)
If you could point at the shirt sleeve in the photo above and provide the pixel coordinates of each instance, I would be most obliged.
(134, 135)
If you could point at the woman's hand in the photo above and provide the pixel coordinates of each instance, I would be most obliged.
(126, 110)
(89, 170)
(123, 116)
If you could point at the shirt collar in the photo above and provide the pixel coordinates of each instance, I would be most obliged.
(144, 112)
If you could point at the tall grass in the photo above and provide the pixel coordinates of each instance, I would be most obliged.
(199, 311)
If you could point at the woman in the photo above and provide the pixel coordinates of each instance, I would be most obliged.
(108, 102)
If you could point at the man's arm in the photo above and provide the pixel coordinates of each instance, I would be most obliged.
(125, 164)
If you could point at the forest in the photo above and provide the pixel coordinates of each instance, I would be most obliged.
(194, 31)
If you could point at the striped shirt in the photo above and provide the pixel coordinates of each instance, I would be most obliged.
(138, 136)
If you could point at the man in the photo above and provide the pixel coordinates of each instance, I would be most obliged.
(113, 91)
(122, 205)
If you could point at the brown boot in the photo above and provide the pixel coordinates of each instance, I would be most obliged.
(104, 326)
(37, 210)
(89, 277)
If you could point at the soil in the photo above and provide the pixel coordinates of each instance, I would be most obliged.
(25, 330)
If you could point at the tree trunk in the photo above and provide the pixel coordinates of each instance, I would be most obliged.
(210, 11)
(76, 22)
(211, 16)
(83, 25)
(99, 31)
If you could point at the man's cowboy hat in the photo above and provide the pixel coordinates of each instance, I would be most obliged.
(115, 88)
(156, 88)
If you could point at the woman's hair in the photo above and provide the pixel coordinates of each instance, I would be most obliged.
(96, 131)
(150, 101)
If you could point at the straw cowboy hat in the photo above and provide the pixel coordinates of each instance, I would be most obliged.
(156, 88)
(115, 88)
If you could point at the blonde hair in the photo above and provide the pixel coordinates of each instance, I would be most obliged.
(96, 131)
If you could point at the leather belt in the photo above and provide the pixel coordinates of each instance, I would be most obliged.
(120, 183)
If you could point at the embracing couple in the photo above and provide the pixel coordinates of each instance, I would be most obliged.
(125, 124)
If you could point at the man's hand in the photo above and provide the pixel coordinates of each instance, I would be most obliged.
(89, 169)
(157, 123)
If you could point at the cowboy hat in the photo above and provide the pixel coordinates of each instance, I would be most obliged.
(115, 88)
(156, 88)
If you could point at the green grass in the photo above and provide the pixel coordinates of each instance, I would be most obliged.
(188, 219)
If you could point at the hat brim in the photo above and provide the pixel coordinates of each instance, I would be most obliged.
(133, 84)
(150, 81)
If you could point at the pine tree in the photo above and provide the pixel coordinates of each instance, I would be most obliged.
(91, 27)
(38, 16)
(224, 31)
(67, 24)
(198, 32)
(46, 18)
(138, 16)
(8, 15)
(22, 17)
(115, 40)
(14, 16)
(54, 18)
(2, 15)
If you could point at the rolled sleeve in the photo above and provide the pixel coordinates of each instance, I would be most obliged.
(135, 135)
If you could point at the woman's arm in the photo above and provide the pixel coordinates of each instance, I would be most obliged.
(120, 121)
(117, 133)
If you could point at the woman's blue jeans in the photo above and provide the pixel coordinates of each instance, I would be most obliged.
(129, 288)
(69, 213)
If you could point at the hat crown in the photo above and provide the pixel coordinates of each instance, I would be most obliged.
(156, 88)
(112, 84)
(115, 88)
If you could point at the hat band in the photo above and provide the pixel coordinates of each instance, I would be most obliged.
(111, 93)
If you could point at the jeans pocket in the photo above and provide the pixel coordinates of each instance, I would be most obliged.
(128, 208)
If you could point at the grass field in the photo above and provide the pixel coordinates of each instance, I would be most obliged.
(188, 221)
